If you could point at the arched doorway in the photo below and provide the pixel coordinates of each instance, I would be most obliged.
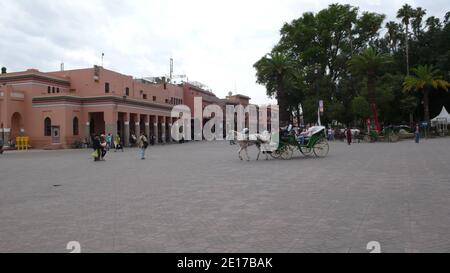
(96, 123)
(16, 125)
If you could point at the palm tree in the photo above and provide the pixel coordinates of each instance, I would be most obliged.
(416, 24)
(273, 70)
(406, 13)
(296, 88)
(408, 105)
(392, 34)
(368, 62)
(426, 78)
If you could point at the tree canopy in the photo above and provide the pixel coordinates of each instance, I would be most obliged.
(329, 56)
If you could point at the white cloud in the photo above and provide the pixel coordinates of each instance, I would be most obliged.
(215, 42)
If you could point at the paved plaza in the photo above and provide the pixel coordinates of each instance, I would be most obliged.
(198, 197)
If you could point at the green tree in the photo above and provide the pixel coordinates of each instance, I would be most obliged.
(368, 26)
(360, 107)
(318, 47)
(369, 62)
(408, 105)
(417, 20)
(426, 78)
(385, 93)
(295, 87)
(273, 70)
(392, 35)
(405, 14)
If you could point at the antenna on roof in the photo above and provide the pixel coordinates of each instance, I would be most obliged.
(103, 55)
(62, 66)
(171, 69)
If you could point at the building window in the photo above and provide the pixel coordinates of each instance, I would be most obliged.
(53, 89)
(167, 100)
(47, 127)
(57, 90)
(127, 91)
(49, 89)
(75, 126)
(154, 98)
(144, 96)
(106, 87)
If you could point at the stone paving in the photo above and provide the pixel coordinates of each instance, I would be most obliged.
(198, 197)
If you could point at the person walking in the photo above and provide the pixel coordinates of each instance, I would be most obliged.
(117, 143)
(417, 133)
(97, 148)
(143, 144)
(103, 147)
(133, 140)
(152, 140)
(109, 141)
(349, 136)
(1, 146)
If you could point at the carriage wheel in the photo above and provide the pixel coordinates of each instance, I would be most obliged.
(321, 148)
(305, 150)
(287, 153)
(276, 154)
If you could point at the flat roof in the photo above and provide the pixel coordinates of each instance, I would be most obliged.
(33, 73)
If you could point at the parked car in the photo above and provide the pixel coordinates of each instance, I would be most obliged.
(399, 129)
(355, 132)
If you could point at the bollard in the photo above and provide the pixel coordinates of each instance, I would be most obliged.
(26, 140)
(18, 142)
(22, 142)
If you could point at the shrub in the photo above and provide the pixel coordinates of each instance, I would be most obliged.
(374, 135)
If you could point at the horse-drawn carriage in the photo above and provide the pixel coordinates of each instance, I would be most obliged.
(314, 142)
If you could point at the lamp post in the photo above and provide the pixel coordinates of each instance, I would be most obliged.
(2, 141)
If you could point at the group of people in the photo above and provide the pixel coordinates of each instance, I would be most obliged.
(102, 144)
(302, 135)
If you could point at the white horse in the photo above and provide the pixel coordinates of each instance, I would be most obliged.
(245, 140)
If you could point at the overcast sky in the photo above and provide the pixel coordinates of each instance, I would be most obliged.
(215, 42)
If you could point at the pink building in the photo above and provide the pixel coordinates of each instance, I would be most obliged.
(56, 109)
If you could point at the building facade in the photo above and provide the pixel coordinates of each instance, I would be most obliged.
(58, 109)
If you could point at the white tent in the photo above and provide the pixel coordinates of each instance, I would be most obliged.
(441, 122)
(443, 116)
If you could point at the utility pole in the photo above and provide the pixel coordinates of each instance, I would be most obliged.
(171, 69)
